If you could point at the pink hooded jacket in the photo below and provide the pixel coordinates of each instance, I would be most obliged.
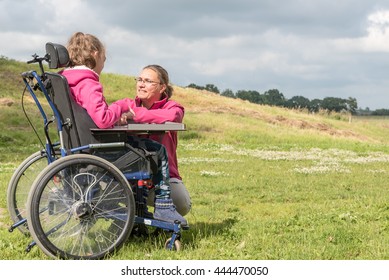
(88, 92)
(164, 110)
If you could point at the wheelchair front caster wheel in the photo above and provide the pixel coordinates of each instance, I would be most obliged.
(176, 245)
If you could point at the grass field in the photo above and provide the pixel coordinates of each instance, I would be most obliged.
(266, 183)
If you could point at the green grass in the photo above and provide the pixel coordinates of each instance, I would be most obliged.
(265, 182)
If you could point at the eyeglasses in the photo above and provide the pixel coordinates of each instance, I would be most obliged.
(147, 82)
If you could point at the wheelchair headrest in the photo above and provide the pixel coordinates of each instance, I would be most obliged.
(58, 55)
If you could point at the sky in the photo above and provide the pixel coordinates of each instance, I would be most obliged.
(314, 49)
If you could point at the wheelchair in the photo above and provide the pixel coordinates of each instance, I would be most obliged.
(82, 196)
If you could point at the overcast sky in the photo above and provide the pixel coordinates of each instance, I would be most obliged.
(313, 48)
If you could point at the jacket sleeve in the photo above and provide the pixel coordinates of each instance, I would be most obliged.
(103, 115)
(171, 112)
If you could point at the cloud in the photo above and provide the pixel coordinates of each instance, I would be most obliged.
(311, 48)
(375, 39)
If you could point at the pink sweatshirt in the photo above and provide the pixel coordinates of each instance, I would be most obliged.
(162, 111)
(88, 92)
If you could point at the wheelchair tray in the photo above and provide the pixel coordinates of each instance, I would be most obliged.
(143, 128)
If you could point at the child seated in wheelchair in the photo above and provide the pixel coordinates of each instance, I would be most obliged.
(87, 58)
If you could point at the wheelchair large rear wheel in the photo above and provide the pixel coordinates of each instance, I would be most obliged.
(80, 207)
(19, 187)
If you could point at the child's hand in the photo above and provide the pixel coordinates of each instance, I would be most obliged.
(130, 114)
(126, 116)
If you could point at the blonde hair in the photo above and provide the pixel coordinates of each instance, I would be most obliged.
(163, 76)
(81, 48)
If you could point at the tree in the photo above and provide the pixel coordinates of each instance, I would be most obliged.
(315, 105)
(228, 93)
(352, 105)
(381, 112)
(211, 88)
(298, 102)
(273, 97)
(335, 104)
(195, 86)
(250, 95)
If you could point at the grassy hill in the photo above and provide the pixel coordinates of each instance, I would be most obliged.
(266, 182)
(212, 115)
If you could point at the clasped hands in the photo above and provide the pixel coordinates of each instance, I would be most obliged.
(129, 115)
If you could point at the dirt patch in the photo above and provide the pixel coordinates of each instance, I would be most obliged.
(6, 102)
(280, 120)
(322, 127)
(2, 215)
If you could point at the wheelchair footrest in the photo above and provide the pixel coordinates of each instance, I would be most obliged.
(175, 227)
(139, 175)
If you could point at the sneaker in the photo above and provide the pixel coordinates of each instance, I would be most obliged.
(165, 210)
